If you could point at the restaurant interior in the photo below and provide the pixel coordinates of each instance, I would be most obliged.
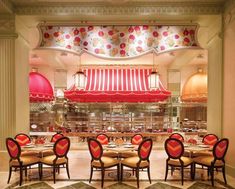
(117, 94)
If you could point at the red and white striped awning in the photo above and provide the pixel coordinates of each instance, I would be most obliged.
(117, 85)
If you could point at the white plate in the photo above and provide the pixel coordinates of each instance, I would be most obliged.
(111, 146)
(29, 146)
(128, 146)
(203, 146)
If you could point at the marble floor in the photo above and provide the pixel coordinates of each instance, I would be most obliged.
(79, 164)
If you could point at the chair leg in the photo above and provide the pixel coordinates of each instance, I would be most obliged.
(21, 175)
(91, 173)
(224, 175)
(148, 169)
(9, 177)
(191, 171)
(26, 172)
(121, 173)
(208, 171)
(54, 170)
(212, 175)
(166, 173)
(41, 167)
(67, 169)
(118, 172)
(39, 171)
(182, 175)
(172, 170)
(137, 175)
(102, 175)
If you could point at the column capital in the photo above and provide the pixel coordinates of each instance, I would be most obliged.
(7, 26)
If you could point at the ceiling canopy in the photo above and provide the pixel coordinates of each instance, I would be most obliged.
(40, 89)
(195, 88)
(117, 85)
(118, 41)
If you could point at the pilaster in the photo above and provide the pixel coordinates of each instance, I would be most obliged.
(7, 79)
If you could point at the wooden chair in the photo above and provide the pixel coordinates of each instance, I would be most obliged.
(215, 161)
(177, 136)
(209, 139)
(104, 140)
(18, 161)
(99, 161)
(23, 139)
(135, 140)
(54, 138)
(175, 150)
(141, 161)
(61, 148)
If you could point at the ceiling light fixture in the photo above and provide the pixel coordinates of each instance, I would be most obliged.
(79, 77)
(153, 78)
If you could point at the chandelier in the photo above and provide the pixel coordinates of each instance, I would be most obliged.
(79, 77)
(153, 78)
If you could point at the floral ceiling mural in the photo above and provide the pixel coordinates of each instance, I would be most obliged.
(118, 41)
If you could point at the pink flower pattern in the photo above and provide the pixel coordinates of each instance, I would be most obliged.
(118, 41)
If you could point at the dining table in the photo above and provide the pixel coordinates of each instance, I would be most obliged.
(38, 148)
(120, 149)
(196, 148)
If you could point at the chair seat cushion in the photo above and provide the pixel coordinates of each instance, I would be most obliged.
(128, 154)
(132, 162)
(27, 160)
(49, 160)
(176, 162)
(110, 153)
(108, 162)
(196, 154)
(45, 153)
(206, 160)
(29, 153)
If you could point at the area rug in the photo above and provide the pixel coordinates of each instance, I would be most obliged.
(38, 185)
(120, 186)
(199, 185)
(79, 185)
(161, 186)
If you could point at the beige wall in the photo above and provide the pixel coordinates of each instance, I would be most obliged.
(229, 91)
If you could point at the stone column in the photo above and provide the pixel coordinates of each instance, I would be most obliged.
(7, 79)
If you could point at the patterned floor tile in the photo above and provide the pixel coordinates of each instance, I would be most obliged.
(161, 186)
(199, 185)
(79, 185)
(120, 186)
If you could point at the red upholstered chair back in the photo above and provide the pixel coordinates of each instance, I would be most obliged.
(13, 148)
(177, 136)
(95, 148)
(174, 148)
(137, 139)
(61, 147)
(210, 139)
(22, 139)
(220, 148)
(145, 149)
(103, 139)
(56, 136)
(192, 141)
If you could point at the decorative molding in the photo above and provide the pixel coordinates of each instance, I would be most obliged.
(7, 24)
(229, 13)
(7, 5)
(169, 9)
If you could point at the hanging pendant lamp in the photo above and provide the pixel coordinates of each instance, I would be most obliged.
(79, 78)
(153, 78)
